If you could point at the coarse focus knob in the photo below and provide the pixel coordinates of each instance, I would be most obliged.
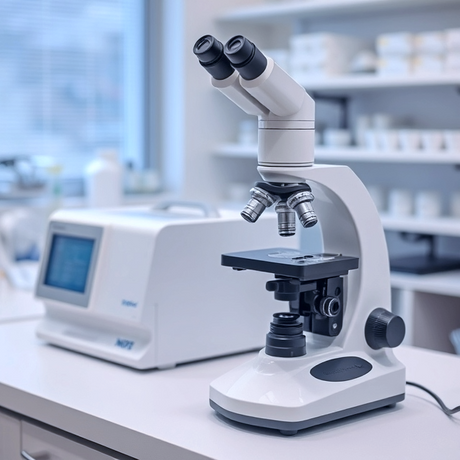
(384, 329)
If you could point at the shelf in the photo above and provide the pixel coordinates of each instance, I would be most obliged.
(447, 226)
(351, 154)
(446, 283)
(312, 9)
(382, 156)
(373, 81)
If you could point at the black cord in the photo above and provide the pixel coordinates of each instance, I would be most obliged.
(444, 408)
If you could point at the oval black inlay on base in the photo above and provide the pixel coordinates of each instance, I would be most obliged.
(341, 369)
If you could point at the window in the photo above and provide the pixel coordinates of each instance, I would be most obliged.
(72, 80)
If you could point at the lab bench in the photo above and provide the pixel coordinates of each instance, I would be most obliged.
(17, 304)
(77, 407)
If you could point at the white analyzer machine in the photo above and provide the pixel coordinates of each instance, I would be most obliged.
(144, 287)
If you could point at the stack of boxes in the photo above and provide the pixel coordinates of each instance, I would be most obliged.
(452, 63)
(322, 54)
(395, 53)
(406, 53)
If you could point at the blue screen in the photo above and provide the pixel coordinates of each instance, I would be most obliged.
(69, 262)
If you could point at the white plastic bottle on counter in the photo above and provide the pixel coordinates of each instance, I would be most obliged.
(104, 180)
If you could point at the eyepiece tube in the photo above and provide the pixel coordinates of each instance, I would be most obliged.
(210, 53)
(245, 57)
(260, 200)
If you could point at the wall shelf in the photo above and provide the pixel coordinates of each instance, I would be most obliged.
(350, 154)
(446, 283)
(287, 11)
(373, 81)
(447, 226)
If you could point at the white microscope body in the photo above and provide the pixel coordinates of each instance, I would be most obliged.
(349, 370)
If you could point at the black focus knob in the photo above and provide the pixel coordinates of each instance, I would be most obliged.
(384, 329)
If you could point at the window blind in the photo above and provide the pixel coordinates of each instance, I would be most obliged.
(63, 77)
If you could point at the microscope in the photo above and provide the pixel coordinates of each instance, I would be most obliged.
(330, 355)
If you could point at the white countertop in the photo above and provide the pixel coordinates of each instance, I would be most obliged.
(165, 414)
(17, 304)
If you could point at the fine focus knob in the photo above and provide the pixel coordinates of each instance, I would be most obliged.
(384, 329)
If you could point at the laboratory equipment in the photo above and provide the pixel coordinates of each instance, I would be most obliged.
(330, 355)
(20, 178)
(143, 287)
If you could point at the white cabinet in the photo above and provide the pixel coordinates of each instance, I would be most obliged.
(38, 443)
(25, 440)
(10, 437)
(429, 101)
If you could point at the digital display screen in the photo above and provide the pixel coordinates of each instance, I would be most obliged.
(69, 262)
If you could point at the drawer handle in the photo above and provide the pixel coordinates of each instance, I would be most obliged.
(27, 456)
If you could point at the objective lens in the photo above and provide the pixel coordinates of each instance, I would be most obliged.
(301, 203)
(260, 200)
(286, 219)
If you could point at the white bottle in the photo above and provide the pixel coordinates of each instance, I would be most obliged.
(104, 180)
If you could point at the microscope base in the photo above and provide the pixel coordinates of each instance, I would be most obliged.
(291, 428)
(288, 394)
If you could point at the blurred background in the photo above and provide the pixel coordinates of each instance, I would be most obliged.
(109, 92)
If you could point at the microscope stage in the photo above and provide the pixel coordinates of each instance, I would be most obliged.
(291, 263)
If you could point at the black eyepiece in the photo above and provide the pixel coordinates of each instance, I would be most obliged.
(239, 50)
(210, 53)
(245, 57)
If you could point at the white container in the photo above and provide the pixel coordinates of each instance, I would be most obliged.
(363, 124)
(372, 139)
(453, 39)
(337, 137)
(452, 61)
(431, 42)
(389, 139)
(400, 203)
(382, 121)
(323, 54)
(427, 204)
(308, 63)
(452, 140)
(104, 180)
(400, 43)
(432, 140)
(428, 63)
(395, 65)
(409, 139)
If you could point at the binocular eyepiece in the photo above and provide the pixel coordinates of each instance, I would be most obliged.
(238, 53)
